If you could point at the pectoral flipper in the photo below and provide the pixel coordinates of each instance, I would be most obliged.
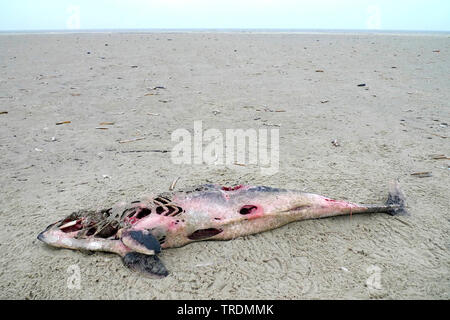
(145, 264)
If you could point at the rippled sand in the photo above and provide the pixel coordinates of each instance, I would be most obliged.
(387, 129)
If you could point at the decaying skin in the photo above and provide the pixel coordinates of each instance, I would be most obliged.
(137, 231)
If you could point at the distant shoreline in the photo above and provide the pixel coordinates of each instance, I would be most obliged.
(229, 30)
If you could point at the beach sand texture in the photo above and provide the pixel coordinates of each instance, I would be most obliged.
(388, 129)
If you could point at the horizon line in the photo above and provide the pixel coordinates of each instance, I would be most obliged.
(237, 30)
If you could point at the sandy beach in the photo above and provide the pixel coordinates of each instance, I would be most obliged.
(105, 85)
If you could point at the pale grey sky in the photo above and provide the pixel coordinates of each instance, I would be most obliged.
(431, 15)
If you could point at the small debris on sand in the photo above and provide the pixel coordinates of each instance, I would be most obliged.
(271, 125)
(324, 101)
(63, 122)
(401, 221)
(3, 112)
(102, 128)
(440, 157)
(361, 85)
(319, 70)
(132, 140)
(335, 143)
(106, 123)
(206, 264)
(138, 151)
(268, 110)
(437, 135)
(75, 94)
(422, 174)
(152, 114)
(174, 182)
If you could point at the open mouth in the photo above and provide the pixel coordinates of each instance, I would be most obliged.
(89, 223)
(106, 223)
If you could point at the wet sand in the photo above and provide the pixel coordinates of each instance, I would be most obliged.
(389, 128)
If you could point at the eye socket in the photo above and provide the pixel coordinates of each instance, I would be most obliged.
(248, 209)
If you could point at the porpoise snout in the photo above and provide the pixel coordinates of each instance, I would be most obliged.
(41, 236)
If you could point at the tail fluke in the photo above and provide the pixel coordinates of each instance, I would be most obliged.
(396, 201)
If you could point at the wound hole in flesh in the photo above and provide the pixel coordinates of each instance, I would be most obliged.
(247, 209)
(143, 213)
(170, 210)
(108, 231)
(173, 210)
(204, 233)
(91, 231)
(179, 211)
(232, 188)
(162, 200)
(128, 212)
